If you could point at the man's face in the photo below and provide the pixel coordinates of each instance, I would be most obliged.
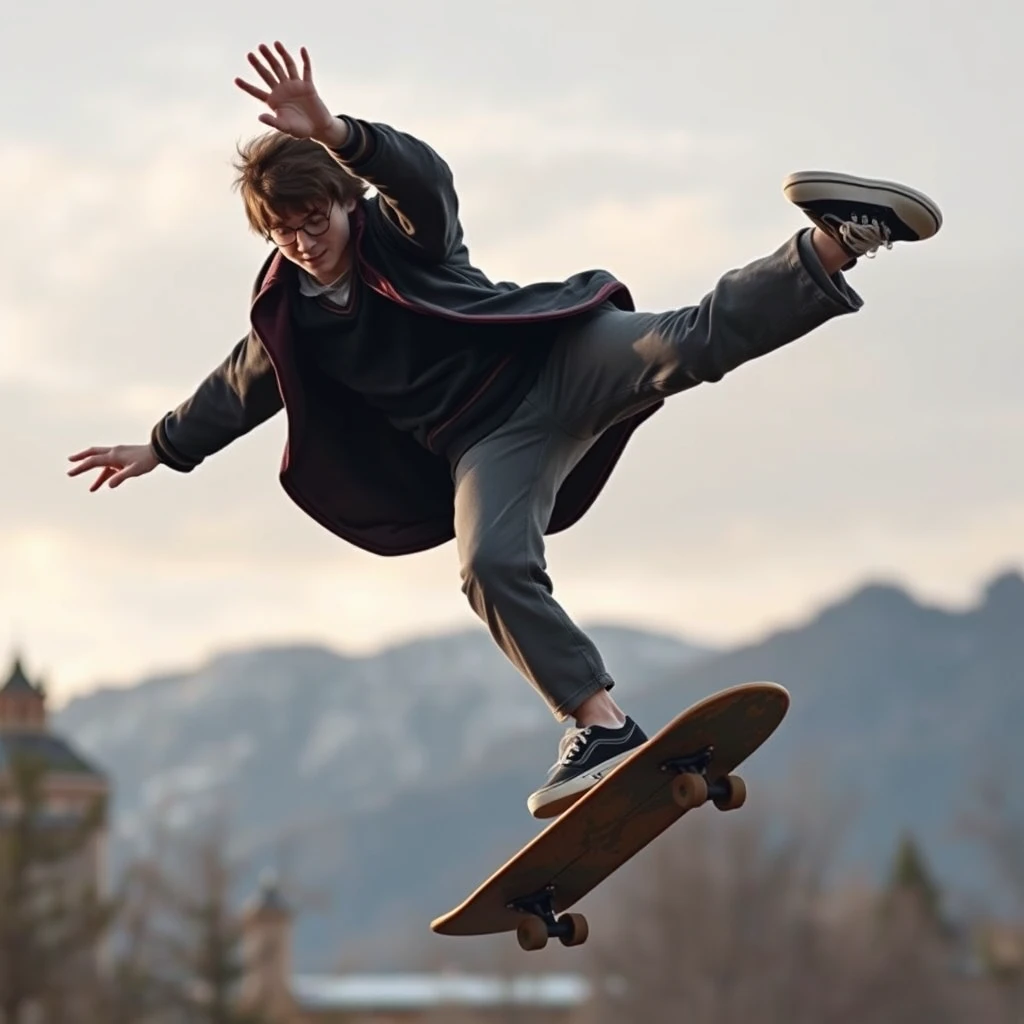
(316, 238)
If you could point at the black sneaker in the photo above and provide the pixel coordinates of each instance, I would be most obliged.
(585, 756)
(863, 214)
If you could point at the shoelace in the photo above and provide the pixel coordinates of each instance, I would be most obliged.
(572, 743)
(865, 237)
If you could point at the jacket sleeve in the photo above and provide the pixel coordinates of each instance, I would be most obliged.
(237, 396)
(415, 186)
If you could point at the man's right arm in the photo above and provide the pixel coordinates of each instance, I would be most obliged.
(236, 397)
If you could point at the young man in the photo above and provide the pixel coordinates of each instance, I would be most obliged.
(425, 402)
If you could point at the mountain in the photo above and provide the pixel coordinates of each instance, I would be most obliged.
(292, 735)
(401, 778)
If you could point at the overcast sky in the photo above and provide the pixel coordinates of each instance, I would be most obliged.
(649, 139)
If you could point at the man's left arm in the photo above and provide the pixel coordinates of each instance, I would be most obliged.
(415, 184)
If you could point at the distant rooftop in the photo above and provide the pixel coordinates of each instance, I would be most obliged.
(402, 991)
(55, 752)
(18, 682)
(28, 737)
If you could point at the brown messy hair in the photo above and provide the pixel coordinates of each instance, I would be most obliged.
(278, 174)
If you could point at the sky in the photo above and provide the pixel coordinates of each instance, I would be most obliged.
(650, 141)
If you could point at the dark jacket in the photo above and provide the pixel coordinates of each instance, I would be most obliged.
(343, 463)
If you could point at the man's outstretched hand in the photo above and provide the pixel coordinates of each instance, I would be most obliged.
(116, 464)
(296, 106)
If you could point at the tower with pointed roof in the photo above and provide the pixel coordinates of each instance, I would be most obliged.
(70, 786)
(72, 781)
(25, 729)
(267, 951)
(22, 703)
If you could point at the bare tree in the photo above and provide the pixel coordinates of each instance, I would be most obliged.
(134, 989)
(995, 823)
(734, 918)
(179, 950)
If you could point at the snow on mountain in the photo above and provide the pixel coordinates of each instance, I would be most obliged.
(277, 732)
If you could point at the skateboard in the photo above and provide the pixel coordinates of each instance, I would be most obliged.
(679, 769)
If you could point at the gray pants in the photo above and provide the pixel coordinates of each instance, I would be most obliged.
(604, 367)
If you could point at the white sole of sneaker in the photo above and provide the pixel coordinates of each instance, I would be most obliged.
(914, 208)
(553, 802)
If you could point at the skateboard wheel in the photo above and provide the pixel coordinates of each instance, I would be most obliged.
(532, 933)
(689, 790)
(578, 929)
(736, 794)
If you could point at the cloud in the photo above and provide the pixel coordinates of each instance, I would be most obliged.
(144, 241)
(656, 244)
(766, 578)
(104, 259)
(652, 145)
(144, 268)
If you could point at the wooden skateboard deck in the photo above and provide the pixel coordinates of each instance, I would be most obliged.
(684, 765)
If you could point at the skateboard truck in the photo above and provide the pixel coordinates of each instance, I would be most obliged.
(691, 787)
(540, 924)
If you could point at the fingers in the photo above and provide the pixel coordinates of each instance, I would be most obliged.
(288, 62)
(307, 68)
(275, 64)
(273, 72)
(116, 465)
(271, 120)
(260, 69)
(107, 473)
(260, 94)
(109, 460)
(87, 452)
(117, 478)
(91, 458)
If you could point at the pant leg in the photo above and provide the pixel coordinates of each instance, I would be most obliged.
(505, 489)
(604, 367)
(613, 363)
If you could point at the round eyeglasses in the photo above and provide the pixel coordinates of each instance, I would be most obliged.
(314, 225)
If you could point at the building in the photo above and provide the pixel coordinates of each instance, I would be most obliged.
(272, 986)
(72, 784)
(70, 788)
